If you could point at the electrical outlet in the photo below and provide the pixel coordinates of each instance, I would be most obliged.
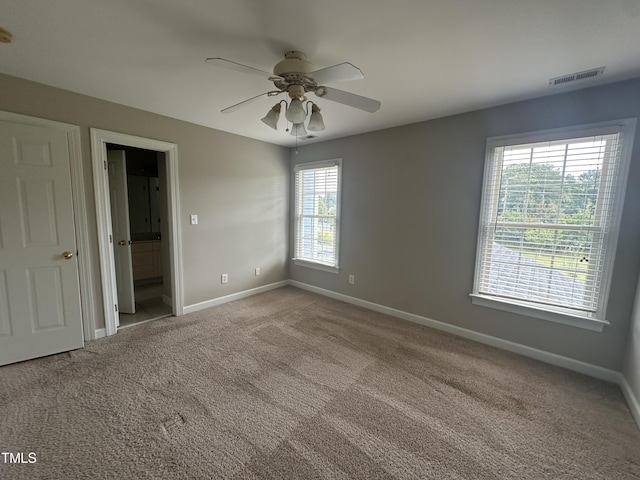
(224, 278)
(257, 271)
(352, 279)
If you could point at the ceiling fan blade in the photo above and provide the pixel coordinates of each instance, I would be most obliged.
(341, 72)
(351, 99)
(238, 67)
(235, 107)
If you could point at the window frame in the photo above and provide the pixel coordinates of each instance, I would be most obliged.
(626, 127)
(305, 262)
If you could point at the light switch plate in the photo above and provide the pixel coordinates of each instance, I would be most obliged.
(194, 219)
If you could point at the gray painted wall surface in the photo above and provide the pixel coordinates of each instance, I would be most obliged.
(237, 186)
(411, 200)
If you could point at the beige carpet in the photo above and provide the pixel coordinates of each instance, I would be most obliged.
(288, 384)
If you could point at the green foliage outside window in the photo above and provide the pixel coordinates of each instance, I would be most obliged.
(533, 193)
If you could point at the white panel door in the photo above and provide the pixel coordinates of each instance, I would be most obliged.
(119, 198)
(39, 292)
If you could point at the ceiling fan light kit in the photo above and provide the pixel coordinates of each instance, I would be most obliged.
(316, 124)
(272, 116)
(295, 113)
(296, 76)
(298, 130)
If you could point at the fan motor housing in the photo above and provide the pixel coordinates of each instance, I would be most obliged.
(294, 62)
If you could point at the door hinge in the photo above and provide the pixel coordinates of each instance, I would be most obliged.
(110, 239)
(116, 305)
(105, 164)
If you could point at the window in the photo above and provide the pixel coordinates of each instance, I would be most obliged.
(317, 214)
(549, 222)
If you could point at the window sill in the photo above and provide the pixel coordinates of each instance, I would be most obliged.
(529, 311)
(316, 266)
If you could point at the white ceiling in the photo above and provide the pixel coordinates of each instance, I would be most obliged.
(421, 58)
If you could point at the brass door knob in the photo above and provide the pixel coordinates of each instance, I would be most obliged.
(67, 255)
(122, 242)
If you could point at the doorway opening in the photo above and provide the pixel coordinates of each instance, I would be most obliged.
(146, 207)
(140, 254)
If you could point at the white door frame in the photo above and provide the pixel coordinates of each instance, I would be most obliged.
(99, 140)
(87, 304)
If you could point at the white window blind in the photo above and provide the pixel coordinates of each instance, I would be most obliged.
(317, 207)
(549, 220)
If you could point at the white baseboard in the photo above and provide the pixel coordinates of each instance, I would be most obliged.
(632, 400)
(234, 296)
(100, 333)
(547, 357)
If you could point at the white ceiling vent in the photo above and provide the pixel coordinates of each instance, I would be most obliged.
(574, 77)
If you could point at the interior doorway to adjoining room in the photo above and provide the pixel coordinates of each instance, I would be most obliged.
(145, 275)
(158, 282)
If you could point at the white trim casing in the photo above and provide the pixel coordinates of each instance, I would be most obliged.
(82, 234)
(316, 266)
(592, 324)
(79, 209)
(99, 139)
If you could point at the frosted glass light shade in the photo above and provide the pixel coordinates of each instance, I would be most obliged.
(296, 113)
(316, 124)
(272, 116)
(297, 130)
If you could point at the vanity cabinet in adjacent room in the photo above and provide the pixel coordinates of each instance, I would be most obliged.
(146, 259)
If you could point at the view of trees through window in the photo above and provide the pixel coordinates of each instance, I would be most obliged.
(547, 207)
(327, 218)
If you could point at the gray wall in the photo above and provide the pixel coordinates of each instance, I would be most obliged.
(237, 186)
(411, 199)
(631, 369)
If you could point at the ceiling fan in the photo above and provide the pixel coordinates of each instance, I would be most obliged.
(296, 76)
